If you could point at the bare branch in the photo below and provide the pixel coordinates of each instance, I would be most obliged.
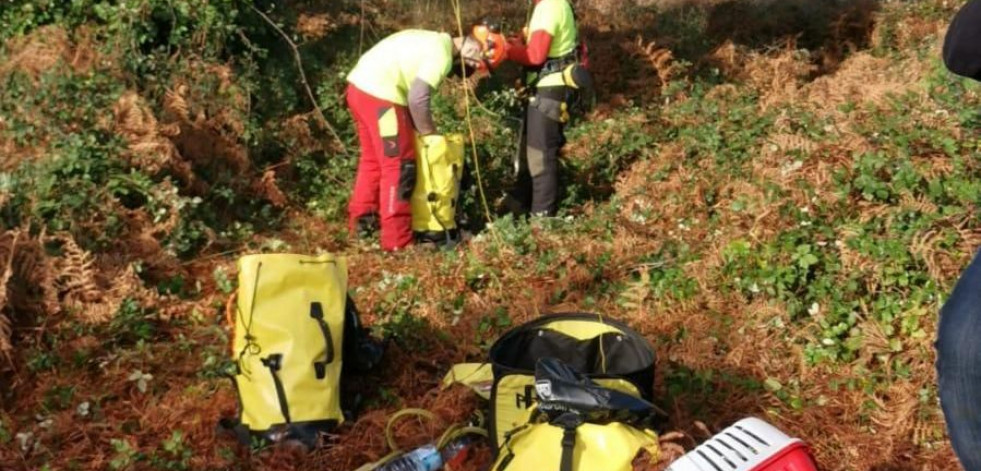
(303, 78)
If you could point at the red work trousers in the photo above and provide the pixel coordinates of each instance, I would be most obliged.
(387, 167)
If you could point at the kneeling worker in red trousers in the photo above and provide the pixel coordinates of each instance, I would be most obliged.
(389, 95)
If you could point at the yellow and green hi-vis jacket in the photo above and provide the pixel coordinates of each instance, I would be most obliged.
(557, 18)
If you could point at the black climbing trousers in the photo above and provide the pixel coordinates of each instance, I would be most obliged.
(537, 187)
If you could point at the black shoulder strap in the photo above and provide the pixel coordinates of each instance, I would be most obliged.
(568, 448)
(275, 363)
(361, 352)
(234, 428)
(569, 422)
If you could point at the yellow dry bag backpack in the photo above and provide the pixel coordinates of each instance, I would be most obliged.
(578, 425)
(604, 350)
(437, 191)
(296, 335)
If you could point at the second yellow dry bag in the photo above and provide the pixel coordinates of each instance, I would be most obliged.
(436, 196)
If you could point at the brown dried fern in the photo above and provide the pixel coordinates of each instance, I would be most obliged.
(268, 188)
(151, 145)
(38, 52)
(6, 329)
(660, 59)
(6, 337)
(897, 416)
(637, 292)
(79, 283)
(176, 104)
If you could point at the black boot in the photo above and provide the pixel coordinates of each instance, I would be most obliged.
(367, 225)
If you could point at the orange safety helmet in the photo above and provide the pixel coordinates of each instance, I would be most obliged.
(493, 46)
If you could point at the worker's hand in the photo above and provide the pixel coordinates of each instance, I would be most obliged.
(520, 39)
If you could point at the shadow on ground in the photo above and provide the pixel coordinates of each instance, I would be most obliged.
(633, 45)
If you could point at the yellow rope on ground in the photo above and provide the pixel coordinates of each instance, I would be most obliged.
(453, 433)
(390, 436)
(457, 431)
(395, 451)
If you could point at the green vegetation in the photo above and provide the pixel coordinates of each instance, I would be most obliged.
(782, 219)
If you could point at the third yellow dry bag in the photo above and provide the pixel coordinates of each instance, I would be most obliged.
(578, 425)
(606, 351)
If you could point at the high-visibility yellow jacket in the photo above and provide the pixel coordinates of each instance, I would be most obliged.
(388, 69)
(553, 23)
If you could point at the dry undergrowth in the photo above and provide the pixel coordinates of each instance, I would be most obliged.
(196, 134)
(70, 284)
(48, 49)
(314, 26)
(6, 343)
(39, 52)
(725, 331)
(150, 142)
(50, 277)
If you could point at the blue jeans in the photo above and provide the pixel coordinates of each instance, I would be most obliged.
(959, 366)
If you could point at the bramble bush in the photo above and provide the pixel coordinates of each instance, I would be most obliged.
(80, 168)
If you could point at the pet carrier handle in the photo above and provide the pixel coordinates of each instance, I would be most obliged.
(317, 313)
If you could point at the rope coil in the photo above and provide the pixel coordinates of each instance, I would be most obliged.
(453, 433)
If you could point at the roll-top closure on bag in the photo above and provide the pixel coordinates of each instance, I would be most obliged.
(594, 345)
(604, 350)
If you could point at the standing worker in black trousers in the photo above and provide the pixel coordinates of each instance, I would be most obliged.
(549, 49)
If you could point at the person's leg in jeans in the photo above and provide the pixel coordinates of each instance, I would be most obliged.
(959, 366)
